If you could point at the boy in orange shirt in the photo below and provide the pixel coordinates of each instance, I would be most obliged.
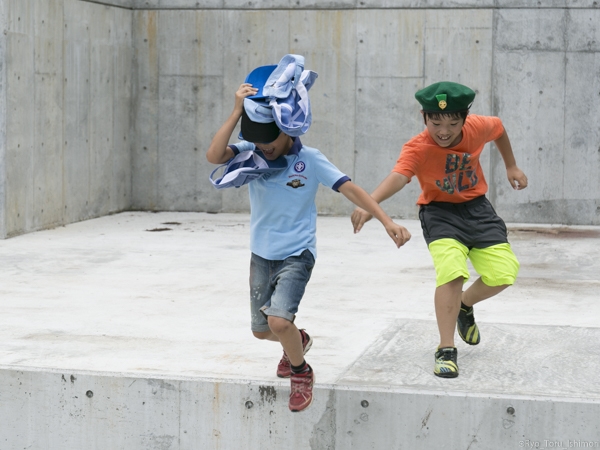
(458, 221)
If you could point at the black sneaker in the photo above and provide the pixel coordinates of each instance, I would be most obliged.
(467, 328)
(446, 365)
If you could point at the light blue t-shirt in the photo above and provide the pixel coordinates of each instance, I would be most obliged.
(283, 217)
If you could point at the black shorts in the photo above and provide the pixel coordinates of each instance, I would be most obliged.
(474, 224)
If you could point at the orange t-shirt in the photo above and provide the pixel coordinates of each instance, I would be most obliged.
(450, 174)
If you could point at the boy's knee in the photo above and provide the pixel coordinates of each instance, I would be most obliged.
(455, 283)
(499, 287)
(279, 325)
(458, 281)
(262, 334)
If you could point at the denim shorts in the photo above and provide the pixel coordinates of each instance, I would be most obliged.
(276, 287)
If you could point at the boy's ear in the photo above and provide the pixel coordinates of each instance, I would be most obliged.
(424, 117)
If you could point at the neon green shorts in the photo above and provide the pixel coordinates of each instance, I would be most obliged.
(497, 264)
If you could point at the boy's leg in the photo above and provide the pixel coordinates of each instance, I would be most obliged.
(261, 290)
(479, 291)
(284, 369)
(295, 344)
(447, 304)
(266, 335)
(450, 262)
(291, 340)
(289, 279)
(498, 268)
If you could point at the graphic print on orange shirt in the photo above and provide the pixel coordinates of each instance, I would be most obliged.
(459, 174)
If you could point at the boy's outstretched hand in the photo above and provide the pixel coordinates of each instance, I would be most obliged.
(398, 233)
(516, 178)
(358, 218)
(359, 197)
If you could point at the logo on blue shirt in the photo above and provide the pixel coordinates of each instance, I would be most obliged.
(299, 166)
(295, 183)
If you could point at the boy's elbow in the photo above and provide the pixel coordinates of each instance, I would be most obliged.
(212, 157)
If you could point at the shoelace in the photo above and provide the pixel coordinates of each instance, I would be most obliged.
(447, 356)
(300, 384)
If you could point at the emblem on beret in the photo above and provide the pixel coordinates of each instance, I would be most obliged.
(442, 101)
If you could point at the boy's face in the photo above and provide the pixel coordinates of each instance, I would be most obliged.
(277, 148)
(446, 131)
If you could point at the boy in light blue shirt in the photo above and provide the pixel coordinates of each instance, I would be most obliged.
(283, 233)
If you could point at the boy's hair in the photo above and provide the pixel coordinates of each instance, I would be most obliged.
(438, 115)
(256, 132)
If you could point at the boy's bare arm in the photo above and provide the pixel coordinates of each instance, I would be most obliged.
(516, 177)
(361, 198)
(393, 183)
(218, 152)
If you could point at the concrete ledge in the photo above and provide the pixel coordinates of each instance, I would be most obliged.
(341, 4)
(131, 332)
(54, 410)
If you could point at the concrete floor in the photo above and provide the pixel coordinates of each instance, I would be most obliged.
(116, 295)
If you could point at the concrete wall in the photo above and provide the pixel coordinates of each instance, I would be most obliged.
(66, 120)
(536, 68)
(110, 105)
(53, 410)
(3, 19)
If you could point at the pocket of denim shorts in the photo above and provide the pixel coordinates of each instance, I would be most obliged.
(308, 259)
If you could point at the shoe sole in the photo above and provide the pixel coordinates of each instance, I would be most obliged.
(446, 375)
(306, 349)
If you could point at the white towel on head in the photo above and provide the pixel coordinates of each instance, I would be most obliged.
(286, 94)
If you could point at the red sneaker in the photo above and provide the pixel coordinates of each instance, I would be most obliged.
(301, 395)
(284, 370)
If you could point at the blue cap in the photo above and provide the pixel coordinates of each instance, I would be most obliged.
(258, 77)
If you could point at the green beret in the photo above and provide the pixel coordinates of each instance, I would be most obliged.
(445, 97)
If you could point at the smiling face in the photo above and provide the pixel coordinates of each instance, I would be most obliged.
(445, 130)
(277, 148)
